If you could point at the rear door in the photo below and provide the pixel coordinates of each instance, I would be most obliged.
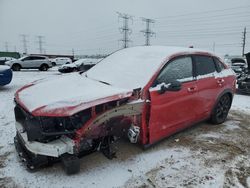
(173, 110)
(209, 84)
(38, 61)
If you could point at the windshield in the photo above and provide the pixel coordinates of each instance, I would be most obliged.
(79, 61)
(130, 68)
(22, 58)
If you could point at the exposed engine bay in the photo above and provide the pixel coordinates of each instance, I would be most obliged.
(243, 79)
(67, 138)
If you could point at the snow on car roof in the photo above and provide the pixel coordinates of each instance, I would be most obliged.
(133, 67)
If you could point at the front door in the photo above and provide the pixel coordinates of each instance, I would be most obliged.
(26, 62)
(172, 111)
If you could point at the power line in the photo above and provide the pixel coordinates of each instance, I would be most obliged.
(209, 17)
(148, 32)
(125, 29)
(24, 41)
(204, 12)
(200, 23)
(244, 41)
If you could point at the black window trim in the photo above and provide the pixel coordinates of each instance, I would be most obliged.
(194, 63)
(215, 58)
(173, 59)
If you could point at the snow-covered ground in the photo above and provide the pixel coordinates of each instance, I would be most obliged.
(202, 156)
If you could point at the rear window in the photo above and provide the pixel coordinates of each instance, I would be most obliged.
(204, 65)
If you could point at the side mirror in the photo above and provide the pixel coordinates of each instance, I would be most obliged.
(172, 86)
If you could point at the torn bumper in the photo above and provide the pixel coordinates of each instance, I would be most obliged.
(36, 154)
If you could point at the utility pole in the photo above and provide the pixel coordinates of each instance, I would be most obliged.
(73, 52)
(24, 41)
(125, 29)
(40, 43)
(213, 46)
(244, 41)
(6, 46)
(148, 32)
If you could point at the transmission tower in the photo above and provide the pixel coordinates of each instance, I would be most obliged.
(40, 43)
(244, 41)
(148, 32)
(125, 30)
(6, 46)
(24, 41)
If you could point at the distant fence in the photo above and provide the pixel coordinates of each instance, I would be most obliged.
(10, 54)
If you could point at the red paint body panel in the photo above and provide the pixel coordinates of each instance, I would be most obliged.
(68, 111)
(172, 111)
(208, 92)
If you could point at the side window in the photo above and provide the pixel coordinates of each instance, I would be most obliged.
(37, 58)
(219, 65)
(180, 69)
(26, 58)
(204, 65)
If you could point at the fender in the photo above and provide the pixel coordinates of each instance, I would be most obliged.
(94, 125)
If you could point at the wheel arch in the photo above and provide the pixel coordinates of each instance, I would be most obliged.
(16, 64)
(226, 91)
(44, 64)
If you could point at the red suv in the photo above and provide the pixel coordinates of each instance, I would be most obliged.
(142, 93)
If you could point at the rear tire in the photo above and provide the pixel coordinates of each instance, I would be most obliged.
(16, 67)
(221, 109)
(44, 67)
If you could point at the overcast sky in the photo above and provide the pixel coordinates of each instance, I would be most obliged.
(92, 26)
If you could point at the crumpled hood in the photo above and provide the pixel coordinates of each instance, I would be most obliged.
(66, 95)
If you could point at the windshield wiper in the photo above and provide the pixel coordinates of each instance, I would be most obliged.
(104, 82)
(98, 80)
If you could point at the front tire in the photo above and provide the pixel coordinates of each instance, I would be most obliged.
(221, 109)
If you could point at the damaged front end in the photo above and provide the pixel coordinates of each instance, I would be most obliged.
(43, 140)
(243, 80)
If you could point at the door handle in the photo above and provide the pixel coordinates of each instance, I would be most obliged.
(220, 82)
(192, 89)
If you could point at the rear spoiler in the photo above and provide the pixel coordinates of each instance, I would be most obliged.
(248, 61)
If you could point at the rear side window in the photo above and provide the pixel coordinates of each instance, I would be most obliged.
(180, 69)
(204, 65)
(27, 58)
(219, 65)
(37, 58)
